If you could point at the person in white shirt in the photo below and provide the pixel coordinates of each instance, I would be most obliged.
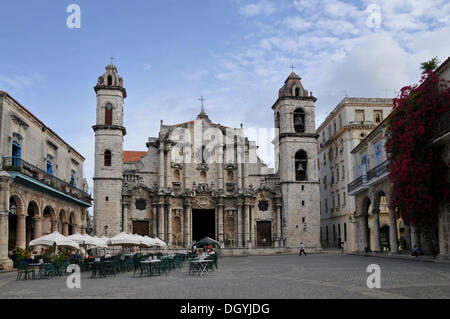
(302, 249)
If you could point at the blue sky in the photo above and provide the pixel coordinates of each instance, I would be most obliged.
(236, 53)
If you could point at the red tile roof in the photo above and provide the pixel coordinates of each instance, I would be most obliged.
(132, 156)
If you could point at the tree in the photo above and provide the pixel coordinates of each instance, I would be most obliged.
(430, 65)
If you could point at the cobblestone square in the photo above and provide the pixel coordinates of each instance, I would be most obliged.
(274, 277)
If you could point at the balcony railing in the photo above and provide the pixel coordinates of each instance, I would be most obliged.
(375, 172)
(15, 164)
(357, 183)
(441, 126)
(379, 170)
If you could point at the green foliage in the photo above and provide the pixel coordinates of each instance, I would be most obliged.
(430, 65)
(22, 254)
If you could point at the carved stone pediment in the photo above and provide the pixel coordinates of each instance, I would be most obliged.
(203, 202)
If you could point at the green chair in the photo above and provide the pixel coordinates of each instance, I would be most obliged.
(23, 269)
(46, 270)
(164, 266)
(109, 268)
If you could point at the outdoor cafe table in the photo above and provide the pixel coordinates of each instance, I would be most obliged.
(151, 263)
(202, 266)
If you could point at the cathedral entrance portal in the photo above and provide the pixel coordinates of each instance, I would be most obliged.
(264, 233)
(203, 224)
(141, 228)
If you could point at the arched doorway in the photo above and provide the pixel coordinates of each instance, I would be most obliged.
(14, 210)
(366, 230)
(384, 238)
(32, 213)
(72, 224)
(61, 220)
(47, 220)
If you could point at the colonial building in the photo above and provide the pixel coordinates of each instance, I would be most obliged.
(441, 143)
(374, 222)
(346, 126)
(42, 188)
(374, 225)
(200, 178)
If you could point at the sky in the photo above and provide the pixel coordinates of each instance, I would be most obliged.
(235, 53)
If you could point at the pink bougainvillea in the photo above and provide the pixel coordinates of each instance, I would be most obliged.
(418, 173)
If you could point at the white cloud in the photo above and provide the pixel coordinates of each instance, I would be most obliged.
(18, 82)
(262, 7)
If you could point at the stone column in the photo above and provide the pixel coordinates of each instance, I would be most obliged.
(393, 237)
(37, 227)
(239, 169)
(161, 167)
(83, 230)
(252, 228)
(239, 225)
(363, 225)
(169, 166)
(220, 222)
(161, 221)
(74, 228)
(414, 237)
(5, 181)
(21, 229)
(125, 218)
(245, 164)
(407, 234)
(279, 225)
(246, 224)
(376, 230)
(54, 225)
(169, 225)
(65, 229)
(155, 220)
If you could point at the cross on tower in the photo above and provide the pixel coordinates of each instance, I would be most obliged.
(201, 99)
(292, 67)
(112, 59)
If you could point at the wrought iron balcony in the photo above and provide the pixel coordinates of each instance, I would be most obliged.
(379, 170)
(357, 183)
(15, 164)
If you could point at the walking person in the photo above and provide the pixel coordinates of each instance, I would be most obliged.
(302, 249)
(342, 247)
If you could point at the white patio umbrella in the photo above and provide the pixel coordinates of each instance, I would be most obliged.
(124, 240)
(150, 241)
(142, 241)
(159, 242)
(100, 242)
(53, 239)
(82, 240)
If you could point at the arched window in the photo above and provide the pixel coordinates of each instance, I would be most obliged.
(107, 158)
(110, 80)
(301, 161)
(108, 114)
(299, 121)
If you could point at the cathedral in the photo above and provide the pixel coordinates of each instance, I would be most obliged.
(200, 178)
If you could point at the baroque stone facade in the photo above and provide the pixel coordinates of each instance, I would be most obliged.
(200, 178)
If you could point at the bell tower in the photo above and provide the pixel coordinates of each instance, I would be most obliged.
(294, 113)
(109, 133)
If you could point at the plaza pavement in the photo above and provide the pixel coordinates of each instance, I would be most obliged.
(272, 277)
